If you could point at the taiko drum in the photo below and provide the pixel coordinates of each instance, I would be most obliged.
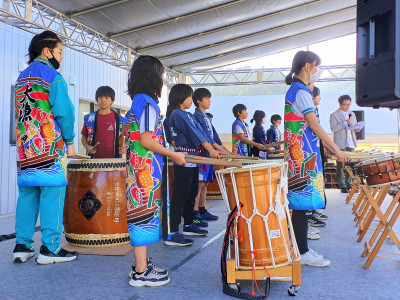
(265, 183)
(95, 203)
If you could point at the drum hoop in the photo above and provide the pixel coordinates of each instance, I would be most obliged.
(377, 160)
(393, 183)
(255, 167)
(100, 160)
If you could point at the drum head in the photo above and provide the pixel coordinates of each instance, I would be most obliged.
(266, 165)
(377, 160)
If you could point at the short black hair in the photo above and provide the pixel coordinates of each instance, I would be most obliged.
(258, 116)
(40, 41)
(199, 94)
(316, 92)
(105, 91)
(145, 77)
(275, 117)
(237, 109)
(343, 98)
(179, 92)
(210, 115)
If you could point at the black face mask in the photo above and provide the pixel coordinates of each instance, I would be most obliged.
(54, 62)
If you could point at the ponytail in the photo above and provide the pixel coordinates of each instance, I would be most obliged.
(289, 78)
(251, 121)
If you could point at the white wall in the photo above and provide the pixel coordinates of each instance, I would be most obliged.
(89, 74)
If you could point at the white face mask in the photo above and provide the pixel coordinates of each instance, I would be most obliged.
(314, 77)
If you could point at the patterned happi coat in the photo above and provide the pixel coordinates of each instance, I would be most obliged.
(302, 152)
(145, 169)
(239, 147)
(41, 149)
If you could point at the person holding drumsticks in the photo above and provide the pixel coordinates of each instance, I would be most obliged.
(202, 101)
(101, 129)
(188, 136)
(302, 134)
(45, 138)
(146, 168)
(241, 142)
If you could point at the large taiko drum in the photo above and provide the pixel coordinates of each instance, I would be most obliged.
(263, 218)
(380, 171)
(95, 203)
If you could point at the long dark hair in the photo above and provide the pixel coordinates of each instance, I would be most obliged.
(258, 116)
(145, 77)
(299, 61)
(40, 41)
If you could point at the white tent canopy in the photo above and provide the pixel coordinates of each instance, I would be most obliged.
(199, 35)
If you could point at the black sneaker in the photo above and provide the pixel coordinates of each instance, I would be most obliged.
(193, 230)
(160, 271)
(47, 257)
(22, 253)
(177, 239)
(312, 221)
(344, 190)
(149, 277)
(319, 216)
(199, 222)
(208, 216)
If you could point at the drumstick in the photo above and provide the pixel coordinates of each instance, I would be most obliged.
(121, 140)
(357, 156)
(211, 161)
(80, 156)
(238, 157)
(274, 144)
(96, 145)
(278, 151)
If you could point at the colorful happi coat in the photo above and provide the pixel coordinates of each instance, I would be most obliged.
(302, 152)
(90, 120)
(237, 146)
(42, 108)
(145, 169)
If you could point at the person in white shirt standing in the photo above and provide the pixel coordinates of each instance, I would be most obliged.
(344, 137)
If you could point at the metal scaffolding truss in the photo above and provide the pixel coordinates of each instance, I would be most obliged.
(33, 16)
(264, 76)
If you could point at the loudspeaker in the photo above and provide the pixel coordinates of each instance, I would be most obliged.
(378, 50)
(360, 117)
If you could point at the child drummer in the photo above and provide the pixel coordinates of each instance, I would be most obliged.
(101, 129)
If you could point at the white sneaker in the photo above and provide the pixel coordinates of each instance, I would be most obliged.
(312, 236)
(313, 230)
(311, 259)
(316, 253)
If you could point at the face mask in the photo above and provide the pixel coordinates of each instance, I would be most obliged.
(54, 62)
(315, 77)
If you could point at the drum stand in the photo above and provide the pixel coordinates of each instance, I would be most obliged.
(367, 206)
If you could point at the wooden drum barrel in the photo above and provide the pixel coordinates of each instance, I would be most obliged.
(263, 217)
(95, 203)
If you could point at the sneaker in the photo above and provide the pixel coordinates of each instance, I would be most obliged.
(319, 216)
(47, 257)
(315, 222)
(177, 239)
(316, 253)
(207, 216)
(160, 271)
(149, 277)
(22, 253)
(312, 236)
(199, 222)
(313, 230)
(311, 259)
(344, 190)
(193, 230)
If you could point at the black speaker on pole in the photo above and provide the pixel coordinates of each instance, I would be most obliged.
(378, 50)
(360, 117)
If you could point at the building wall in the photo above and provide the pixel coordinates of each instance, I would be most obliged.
(83, 75)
